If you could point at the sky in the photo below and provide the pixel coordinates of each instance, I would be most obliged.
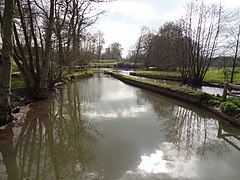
(123, 19)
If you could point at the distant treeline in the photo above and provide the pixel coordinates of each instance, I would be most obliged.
(224, 61)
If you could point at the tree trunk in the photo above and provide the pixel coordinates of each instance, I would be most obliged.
(5, 64)
(235, 55)
(43, 89)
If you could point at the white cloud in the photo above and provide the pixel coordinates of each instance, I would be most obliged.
(124, 18)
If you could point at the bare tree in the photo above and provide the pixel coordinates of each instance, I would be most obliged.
(201, 27)
(231, 39)
(113, 52)
(50, 35)
(5, 63)
(33, 32)
(100, 43)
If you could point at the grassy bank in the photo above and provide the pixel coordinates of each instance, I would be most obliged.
(78, 74)
(160, 73)
(214, 75)
(103, 63)
(229, 109)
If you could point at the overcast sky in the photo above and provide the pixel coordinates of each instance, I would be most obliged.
(124, 18)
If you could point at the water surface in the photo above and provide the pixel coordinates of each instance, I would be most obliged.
(101, 128)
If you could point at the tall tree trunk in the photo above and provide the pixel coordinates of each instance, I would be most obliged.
(42, 93)
(5, 64)
(235, 55)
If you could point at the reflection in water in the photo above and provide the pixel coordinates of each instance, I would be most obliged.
(167, 161)
(230, 134)
(143, 136)
(190, 137)
(55, 142)
(191, 132)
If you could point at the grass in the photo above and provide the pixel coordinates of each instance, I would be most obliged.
(17, 87)
(152, 72)
(103, 63)
(17, 83)
(214, 75)
(79, 73)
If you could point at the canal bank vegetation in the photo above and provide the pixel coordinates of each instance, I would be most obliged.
(228, 109)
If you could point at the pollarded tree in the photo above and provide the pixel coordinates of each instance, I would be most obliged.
(33, 42)
(5, 62)
(49, 35)
(200, 34)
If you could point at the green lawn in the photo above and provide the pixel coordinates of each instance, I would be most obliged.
(217, 75)
(80, 73)
(17, 83)
(154, 72)
(214, 75)
(103, 63)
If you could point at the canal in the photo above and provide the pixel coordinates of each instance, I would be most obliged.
(101, 128)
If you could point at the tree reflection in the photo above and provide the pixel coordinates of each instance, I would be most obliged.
(191, 130)
(55, 142)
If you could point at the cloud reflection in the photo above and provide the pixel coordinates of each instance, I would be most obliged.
(118, 113)
(166, 163)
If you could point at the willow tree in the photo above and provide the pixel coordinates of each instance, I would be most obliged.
(5, 63)
(200, 34)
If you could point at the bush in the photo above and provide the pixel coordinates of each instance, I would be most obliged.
(235, 101)
(230, 108)
(214, 102)
(210, 99)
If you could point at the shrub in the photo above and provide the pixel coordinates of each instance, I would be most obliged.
(214, 102)
(230, 108)
(210, 99)
(234, 101)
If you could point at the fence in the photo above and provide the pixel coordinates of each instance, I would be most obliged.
(228, 90)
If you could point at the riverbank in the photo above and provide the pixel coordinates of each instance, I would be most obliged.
(210, 102)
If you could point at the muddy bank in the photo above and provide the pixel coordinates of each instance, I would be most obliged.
(177, 93)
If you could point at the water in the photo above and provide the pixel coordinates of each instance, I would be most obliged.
(207, 89)
(101, 128)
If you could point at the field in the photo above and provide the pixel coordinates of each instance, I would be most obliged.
(214, 75)
(217, 75)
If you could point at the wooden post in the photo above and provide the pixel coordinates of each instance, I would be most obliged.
(225, 89)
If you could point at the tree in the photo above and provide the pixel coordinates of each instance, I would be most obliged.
(51, 35)
(100, 43)
(200, 34)
(232, 39)
(140, 52)
(33, 39)
(164, 47)
(5, 63)
(113, 52)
